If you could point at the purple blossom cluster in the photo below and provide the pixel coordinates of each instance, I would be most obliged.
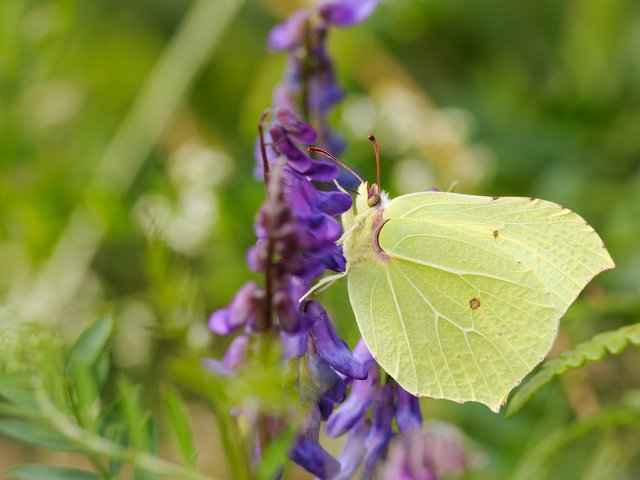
(296, 234)
(436, 451)
(369, 435)
(310, 87)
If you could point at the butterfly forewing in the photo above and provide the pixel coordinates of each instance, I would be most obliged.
(558, 244)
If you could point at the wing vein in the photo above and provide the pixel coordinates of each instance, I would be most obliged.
(437, 316)
(404, 328)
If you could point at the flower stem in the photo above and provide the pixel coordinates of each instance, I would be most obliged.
(263, 148)
(268, 270)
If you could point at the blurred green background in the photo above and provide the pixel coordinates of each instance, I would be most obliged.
(126, 136)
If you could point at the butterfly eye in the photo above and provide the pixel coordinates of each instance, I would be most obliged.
(373, 200)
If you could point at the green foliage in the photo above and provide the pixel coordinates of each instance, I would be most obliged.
(62, 408)
(50, 472)
(593, 350)
(180, 425)
(536, 462)
(90, 344)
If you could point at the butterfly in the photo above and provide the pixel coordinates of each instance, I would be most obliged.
(460, 296)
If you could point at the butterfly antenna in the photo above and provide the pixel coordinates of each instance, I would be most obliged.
(328, 155)
(374, 140)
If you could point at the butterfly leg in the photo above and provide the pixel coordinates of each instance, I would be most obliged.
(323, 284)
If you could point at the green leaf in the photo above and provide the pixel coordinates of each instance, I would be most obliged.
(153, 442)
(180, 424)
(592, 350)
(90, 344)
(133, 415)
(36, 434)
(118, 436)
(49, 472)
(153, 439)
(531, 466)
(86, 395)
(101, 369)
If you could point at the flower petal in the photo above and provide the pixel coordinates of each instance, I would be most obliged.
(244, 309)
(219, 322)
(355, 407)
(313, 458)
(308, 453)
(329, 383)
(288, 34)
(380, 433)
(408, 414)
(234, 356)
(408, 459)
(294, 345)
(345, 13)
(353, 451)
(302, 132)
(329, 346)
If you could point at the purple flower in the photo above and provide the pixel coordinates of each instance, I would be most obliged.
(318, 170)
(363, 355)
(408, 414)
(288, 34)
(323, 86)
(346, 13)
(356, 406)
(353, 450)
(243, 310)
(306, 233)
(308, 453)
(310, 86)
(294, 345)
(308, 199)
(380, 432)
(437, 450)
(234, 356)
(303, 133)
(329, 346)
(313, 458)
(444, 445)
(330, 385)
(408, 459)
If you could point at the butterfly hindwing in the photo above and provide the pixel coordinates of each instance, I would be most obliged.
(557, 243)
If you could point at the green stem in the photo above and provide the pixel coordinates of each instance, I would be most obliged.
(94, 459)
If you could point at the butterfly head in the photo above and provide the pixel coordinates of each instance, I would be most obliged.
(370, 197)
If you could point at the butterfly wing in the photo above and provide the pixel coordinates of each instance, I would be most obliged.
(468, 300)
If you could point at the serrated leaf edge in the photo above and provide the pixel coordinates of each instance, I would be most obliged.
(595, 349)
